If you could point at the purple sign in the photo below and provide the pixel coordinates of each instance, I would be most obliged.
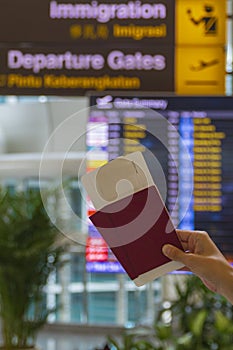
(105, 267)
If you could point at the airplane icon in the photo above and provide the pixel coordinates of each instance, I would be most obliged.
(104, 102)
(203, 65)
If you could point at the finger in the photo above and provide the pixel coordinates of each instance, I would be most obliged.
(174, 253)
(185, 235)
(185, 245)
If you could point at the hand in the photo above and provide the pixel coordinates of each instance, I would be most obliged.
(204, 259)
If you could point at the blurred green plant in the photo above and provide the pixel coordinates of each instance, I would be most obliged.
(136, 339)
(197, 319)
(29, 252)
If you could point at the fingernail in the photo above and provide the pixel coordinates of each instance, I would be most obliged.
(166, 249)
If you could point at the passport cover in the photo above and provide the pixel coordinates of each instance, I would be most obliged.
(131, 217)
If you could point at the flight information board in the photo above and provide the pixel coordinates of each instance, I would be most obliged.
(187, 143)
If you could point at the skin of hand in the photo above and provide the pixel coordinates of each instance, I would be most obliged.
(202, 257)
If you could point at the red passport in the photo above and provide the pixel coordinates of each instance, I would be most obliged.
(131, 217)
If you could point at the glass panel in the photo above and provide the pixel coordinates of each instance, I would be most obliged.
(102, 307)
(137, 306)
(77, 266)
(77, 310)
(102, 277)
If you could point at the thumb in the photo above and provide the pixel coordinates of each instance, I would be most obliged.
(174, 253)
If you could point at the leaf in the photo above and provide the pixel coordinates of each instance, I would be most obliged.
(113, 342)
(197, 323)
(143, 345)
(222, 323)
(129, 341)
(163, 332)
(185, 340)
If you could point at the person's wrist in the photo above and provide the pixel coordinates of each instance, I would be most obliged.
(226, 287)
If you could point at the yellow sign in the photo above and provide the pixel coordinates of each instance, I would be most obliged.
(200, 70)
(201, 22)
